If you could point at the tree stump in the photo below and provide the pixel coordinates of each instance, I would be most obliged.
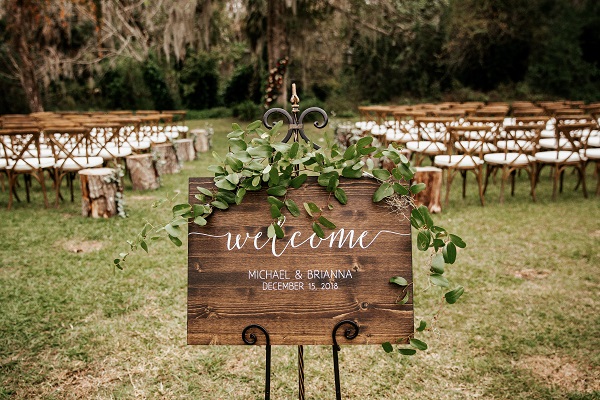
(431, 196)
(166, 159)
(142, 171)
(100, 192)
(201, 140)
(185, 149)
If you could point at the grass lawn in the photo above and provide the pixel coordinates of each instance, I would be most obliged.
(527, 327)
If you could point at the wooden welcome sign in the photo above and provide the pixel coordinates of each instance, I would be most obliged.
(299, 287)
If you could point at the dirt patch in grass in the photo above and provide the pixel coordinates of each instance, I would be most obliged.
(562, 373)
(82, 246)
(531, 274)
(140, 198)
(595, 234)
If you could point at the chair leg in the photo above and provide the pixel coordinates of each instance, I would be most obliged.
(11, 189)
(582, 178)
(512, 182)
(555, 180)
(532, 178)
(464, 189)
(448, 184)
(40, 177)
(487, 177)
(27, 180)
(562, 178)
(504, 170)
(598, 178)
(479, 174)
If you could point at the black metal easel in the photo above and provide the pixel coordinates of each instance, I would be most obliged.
(296, 131)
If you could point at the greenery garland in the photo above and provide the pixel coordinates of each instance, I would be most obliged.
(256, 159)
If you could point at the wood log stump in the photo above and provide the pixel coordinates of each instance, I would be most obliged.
(142, 171)
(166, 159)
(201, 140)
(100, 192)
(431, 196)
(185, 149)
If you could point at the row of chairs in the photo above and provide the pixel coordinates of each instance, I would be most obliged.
(459, 145)
(62, 144)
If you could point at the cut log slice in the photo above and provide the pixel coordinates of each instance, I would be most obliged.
(99, 192)
(142, 171)
(201, 140)
(431, 196)
(166, 159)
(185, 149)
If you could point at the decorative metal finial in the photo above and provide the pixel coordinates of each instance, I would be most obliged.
(295, 125)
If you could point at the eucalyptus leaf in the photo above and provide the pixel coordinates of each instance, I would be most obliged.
(438, 264)
(400, 189)
(277, 191)
(423, 240)
(144, 246)
(176, 241)
(457, 241)
(385, 190)
(365, 141)
(318, 230)
(333, 183)
(298, 181)
(326, 223)
(340, 195)
(220, 205)
(236, 144)
(418, 344)
(398, 280)
(173, 230)
(453, 295)
(204, 191)
(407, 352)
(292, 207)
(239, 196)
(381, 174)
(417, 187)
(348, 172)
(416, 219)
(235, 164)
(311, 208)
(278, 231)
(422, 326)
(271, 231)
(405, 299)
(199, 220)
(225, 184)
(449, 253)
(253, 125)
(387, 347)
(275, 201)
(216, 169)
(424, 211)
(439, 280)
(294, 150)
(180, 209)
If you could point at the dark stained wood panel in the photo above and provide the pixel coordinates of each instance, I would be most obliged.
(283, 285)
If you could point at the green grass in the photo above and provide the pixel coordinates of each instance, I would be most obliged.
(527, 327)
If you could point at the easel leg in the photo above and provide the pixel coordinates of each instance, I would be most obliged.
(301, 372)
(350, 333)
(251, 339)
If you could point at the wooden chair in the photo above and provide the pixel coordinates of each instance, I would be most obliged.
(569, 151)
(518, 146)
(22, 156)
(432, 138)
(471, 158)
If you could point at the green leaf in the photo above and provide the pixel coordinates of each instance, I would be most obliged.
(416, 219)
(422, 326)
(271, 231)
(381, 174)
(275, 201)
(179, 221)
(396, 173)
(277, 191)
(405, 171)
(225, 184)
(453, 295)
(199, 220)
(424, 211)
(256, 180)
(387, 347)
(294, 150)
(278, 231)
(326, 223)
(418, 344)
(423, 240)
(417, 187)
(175, 240)
(236, 144)
(262, 151)
(253, 125)
(350, 152)
(340, 195)
(449, 253)
(236, 127)
(275, 211)
(235, 164)
(217, 157)
(144, 246)
(439, 280)
(198, 209)
(226, 196)
(407, 352)
(298, 181)
(311, 208)
(274, 176)
(235, 134)
(173, 230)
(216, 169)
(348, 172)
(400, 189)
(398, 280)
(318, 230)
(333, 183)
(457, 241)
(239, 196)
(365, 141)
(220, 205)
(180, 209)
(233, 178)
(385, 190)
(204, 191)
(404, 300)
(437, 264)
(366, 150)
(292, 207)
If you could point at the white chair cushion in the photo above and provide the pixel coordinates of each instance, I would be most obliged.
(400, 137)
(78, 163)
(3, 163)
(593, 141)
(30, 164)
(515, 145)
(591, 153)
(563, 144)
(508, 158)
(112, 152)
(558, 157)
(472, 145)
(457, 161)
(141, 145)
(475, 136)
(548, 133)
(426, 147)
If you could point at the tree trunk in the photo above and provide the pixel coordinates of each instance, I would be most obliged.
(99, 197)
(166, 159)
(25, 66)
(142, 171)
(431, 196)
(185, 149)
